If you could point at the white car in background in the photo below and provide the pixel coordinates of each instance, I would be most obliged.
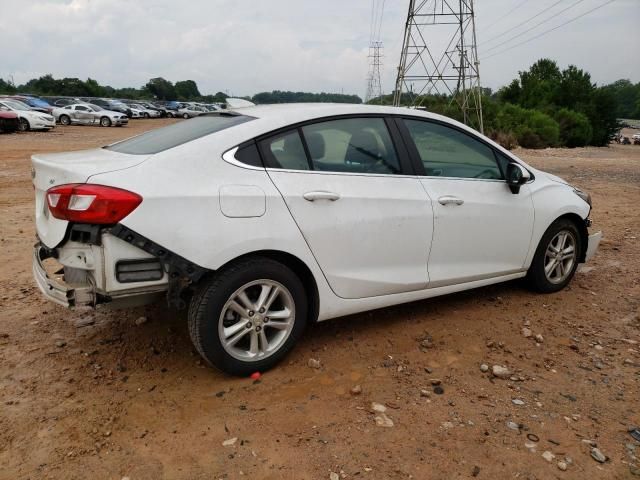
(144, 111)
(268, 218)
(190, 111)
(29, 119)
(88, 114)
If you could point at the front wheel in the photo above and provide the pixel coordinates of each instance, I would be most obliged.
(105, 122)
(65, 120)
(556, 259)
(185, 115)
(248, 316)
(24, 125)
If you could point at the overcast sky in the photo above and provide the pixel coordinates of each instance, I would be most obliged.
(245, 47)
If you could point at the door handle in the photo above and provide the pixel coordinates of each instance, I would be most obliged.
(450, 200)
(320, 195)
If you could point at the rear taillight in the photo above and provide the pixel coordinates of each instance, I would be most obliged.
(87, 203)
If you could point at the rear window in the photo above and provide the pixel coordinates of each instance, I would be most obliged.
(165, 138)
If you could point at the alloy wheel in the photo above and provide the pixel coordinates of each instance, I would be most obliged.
(560, 257)
(256, 320)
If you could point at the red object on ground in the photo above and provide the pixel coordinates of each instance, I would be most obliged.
(255, 376)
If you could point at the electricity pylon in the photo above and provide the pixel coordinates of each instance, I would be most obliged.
(440, 57)
(374, 86)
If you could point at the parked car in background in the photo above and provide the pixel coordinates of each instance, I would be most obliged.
(171, 107)
(145, 112)
(110, 104)
(29, 119)
(9, 120)
(37, 104)
(189, 111)
(350, 208)
(155, 111)
(636, 138)
(87, 114)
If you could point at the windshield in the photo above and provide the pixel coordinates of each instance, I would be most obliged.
(36, 102)
(165, 138)
(95, 108)
(16, 105)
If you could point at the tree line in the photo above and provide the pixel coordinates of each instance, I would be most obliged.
(547, 107)
(159, 89)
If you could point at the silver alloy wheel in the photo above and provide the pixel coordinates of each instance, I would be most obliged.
(256, 320)
(560, 256)
(105, 122)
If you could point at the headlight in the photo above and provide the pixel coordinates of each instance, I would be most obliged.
(583, 195)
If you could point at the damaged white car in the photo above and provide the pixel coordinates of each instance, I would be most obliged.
(265, 219)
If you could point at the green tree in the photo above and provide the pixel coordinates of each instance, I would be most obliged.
(187, 90)
(575, 128)
(161, 89)
(6, 87)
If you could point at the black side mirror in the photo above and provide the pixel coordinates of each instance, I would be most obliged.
(516, 175)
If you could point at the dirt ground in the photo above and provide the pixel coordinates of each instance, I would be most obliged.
(101, 395)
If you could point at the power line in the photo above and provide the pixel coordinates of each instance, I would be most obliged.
(523, 22)
(550, 30)
(518, 5)
(555, 15)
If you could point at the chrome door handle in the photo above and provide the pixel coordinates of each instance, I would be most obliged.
(450, 199)
(320, 195)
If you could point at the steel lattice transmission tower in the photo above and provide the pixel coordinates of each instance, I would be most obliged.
(374, 86)
(440, 57)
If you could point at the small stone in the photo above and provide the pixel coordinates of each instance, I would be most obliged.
(562, 466)
(438, 390)
(517, 401)
(334, 476)
(526, 332)
(125, 478)
(484, 368)
(356, 390)
(539, 338)
(378, 407)
(476, 471)
(435, 381)
(447, 425)
(500, 371)
(383, 421)
(425, 393)
(60, 343)
(230, 442)
(313, 363)
(548, 456)
(598, 456)
(140, 320)
(513, 426)
(85, 322)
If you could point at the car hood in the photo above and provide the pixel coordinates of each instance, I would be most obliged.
(555, 178)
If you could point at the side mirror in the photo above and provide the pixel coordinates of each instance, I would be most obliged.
(516, 175)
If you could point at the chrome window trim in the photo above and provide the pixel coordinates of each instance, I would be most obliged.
(230, 157)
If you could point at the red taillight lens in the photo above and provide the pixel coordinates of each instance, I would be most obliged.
(87, 203)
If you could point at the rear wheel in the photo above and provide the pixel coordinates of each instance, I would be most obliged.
(248, 316)
(105, 122)
(24, 125)
(146, 115)
(556, 259)
(185, 115)
(65, 120)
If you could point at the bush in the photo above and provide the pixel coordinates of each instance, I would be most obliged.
(506, 139)
(532, 128)
(575, 129)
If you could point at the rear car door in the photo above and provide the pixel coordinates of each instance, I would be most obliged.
(359, 206)
(481, 229)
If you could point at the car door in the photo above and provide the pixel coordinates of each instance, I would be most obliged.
(360, 208)
(82, 114)
(481, 229)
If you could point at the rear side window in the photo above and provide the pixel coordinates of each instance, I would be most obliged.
(165, 138)
(286, 151)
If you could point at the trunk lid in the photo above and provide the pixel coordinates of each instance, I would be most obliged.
(53, 169)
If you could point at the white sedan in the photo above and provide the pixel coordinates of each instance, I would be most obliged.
(268, 218)
(88, 114)
(29, 119)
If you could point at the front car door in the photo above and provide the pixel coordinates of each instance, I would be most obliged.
(481, 229)
(363, 213)
(83, 114)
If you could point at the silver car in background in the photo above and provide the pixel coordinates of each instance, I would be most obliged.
(89, 114)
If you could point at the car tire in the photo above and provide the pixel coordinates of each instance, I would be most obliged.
(185, 115)
(169, 115)
(64, 120)
(556, 259)
(146, 115)
(24, 125)
(221, 303)
(105, 122)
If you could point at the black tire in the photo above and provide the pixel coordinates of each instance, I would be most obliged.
(205, 311)
(146, 115)
(169, 115)
(65, 120)
(536, 276)
(185, 115)
(105, 122)
(24, 125)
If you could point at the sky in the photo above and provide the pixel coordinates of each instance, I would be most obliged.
(245, 47)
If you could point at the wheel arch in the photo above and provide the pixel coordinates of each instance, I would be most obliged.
(581, 225)
(299, 267)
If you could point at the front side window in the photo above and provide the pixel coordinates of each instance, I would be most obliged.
(351, 145)
(447, 152)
